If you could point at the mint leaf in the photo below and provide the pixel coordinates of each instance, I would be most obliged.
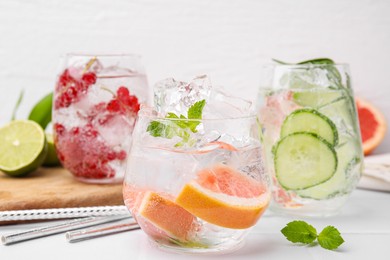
(158, 129)
(196, 110)
(330, 238)
(312, 61)
(299, 232)
(155, 129)
(179, 125)
(41, 112)
(317, 61)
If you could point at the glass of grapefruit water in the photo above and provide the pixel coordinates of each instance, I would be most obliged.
(311, 136)
(95, 105)
(196, 185)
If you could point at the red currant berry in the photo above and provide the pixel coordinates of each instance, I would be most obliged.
(111, 156)
(59, 129)
(90, 131)
(71, 92)
(121, 155)
(65, 77)
(122, 92)
(75, 130)
(89, 78)
(136, 107)
(113, 106)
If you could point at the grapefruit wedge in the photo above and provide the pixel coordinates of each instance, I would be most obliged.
(166, 216)
(372, 125)
(225, 197)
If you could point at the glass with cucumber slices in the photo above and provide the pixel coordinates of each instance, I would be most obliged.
(311, 136)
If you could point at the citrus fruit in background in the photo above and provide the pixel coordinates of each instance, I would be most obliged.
(223, 196)
(167, 216)
(51, 157)
(23, 147)
(372, 125)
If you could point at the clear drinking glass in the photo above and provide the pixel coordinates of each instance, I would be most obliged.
(196, 191)
(96, 101)
(311, 137)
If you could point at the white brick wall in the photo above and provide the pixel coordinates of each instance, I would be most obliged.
(227, 39)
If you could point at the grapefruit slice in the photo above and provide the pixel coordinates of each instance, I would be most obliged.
(223, 196)
(372, 125)
(165, 215)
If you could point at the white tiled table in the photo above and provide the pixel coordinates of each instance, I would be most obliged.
(364, 224)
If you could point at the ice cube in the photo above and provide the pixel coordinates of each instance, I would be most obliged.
(70, 117)
(249, 160)
(305, 78)
(223, 105)
(220, 112)
(175, 96)
(116, 130)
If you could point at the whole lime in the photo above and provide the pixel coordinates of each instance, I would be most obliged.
(51, 159)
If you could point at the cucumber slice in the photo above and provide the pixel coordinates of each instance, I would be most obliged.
(304, 160)
(310, 120)
(343, 180)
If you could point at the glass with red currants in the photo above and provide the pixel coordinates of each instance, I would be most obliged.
(96, 101)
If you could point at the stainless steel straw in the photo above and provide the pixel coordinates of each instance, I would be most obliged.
(58, 228)
(101, 230)
(61, 213)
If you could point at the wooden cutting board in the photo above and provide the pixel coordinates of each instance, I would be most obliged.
(55, 188)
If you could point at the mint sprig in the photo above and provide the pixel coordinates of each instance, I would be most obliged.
(299, 231)
(180, 126)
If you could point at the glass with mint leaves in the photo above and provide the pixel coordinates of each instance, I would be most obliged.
(311, 136)
(195, 179)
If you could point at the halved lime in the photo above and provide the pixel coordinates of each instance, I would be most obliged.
(51, 157)
(23, 147)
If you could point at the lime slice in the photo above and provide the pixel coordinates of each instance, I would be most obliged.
(23, 147)
(51, 157)
(303, 160)
(310, 120)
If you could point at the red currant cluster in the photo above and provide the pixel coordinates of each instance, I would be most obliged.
(123, 102)
(84, 154)
(70, 89)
